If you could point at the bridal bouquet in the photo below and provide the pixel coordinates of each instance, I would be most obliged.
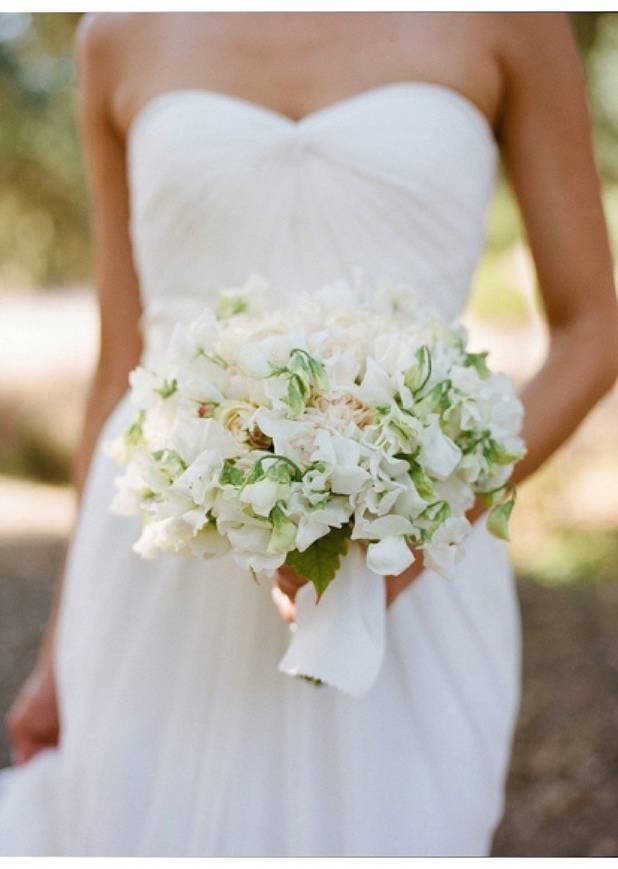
(351, 414)
(281, 435)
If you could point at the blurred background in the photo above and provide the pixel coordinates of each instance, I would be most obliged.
(563, 787)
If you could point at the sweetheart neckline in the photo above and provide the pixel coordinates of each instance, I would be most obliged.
(162, 97)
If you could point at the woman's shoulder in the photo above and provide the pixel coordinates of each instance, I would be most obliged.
(535, 45)
(112, 50)
(104, 35)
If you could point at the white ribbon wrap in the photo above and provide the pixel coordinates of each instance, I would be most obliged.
(340, 640)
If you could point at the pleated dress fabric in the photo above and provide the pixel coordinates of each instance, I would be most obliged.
(179, 735)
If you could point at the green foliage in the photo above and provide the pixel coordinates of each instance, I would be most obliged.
(498, 519)
(168, 388)
(495, 294)
(320, 562)
(231, 475)
(44, 231)
(33, 455)
(575, 556)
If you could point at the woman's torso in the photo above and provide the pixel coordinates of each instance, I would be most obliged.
(304, 150)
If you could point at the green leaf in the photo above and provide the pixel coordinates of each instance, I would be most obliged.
(469, 440)
(133, 434)
(320, 562)
(213, 357)
(277, 370)
(168, 389)
(493, 496)
(312, 679)
(318, 374)
(496, 453)
(417, 375)
(422, 482)
(320, 467)
(295, 399)
(436, 401)
(281, 469)
(404, 432)
(229, 305)
(170, 461)
(299, 369)
(478, 361)
(283, 536)
(312, 368)
(430, 520)
(321, 504)
(498, 519)
(231, 475)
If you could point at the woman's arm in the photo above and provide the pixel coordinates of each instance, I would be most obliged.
(113, 271)
(547, 149)
(546, 146)
(32, 720)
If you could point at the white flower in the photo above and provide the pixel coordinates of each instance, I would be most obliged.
(376, 388)
(118, 449)
(208, 543)
(250, 548)
(439, 454)
(144, 384)
(341, 456)
(261, 431)
(200, 481)
(248, 299)
(390, 557)
(130, 488)
(443, 552)
(168, 535)
(193, 436)
(256, 358)
(316, 521)
(204, 330)
(291, 438)
(378, 529)
(263, 495)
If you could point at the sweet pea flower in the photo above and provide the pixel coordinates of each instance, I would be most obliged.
(439, 455)
(390, 557)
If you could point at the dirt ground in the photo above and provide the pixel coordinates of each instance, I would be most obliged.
(562, 797)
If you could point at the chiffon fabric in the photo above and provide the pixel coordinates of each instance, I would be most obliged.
(179, 735)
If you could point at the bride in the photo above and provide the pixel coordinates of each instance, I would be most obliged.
(299, 146)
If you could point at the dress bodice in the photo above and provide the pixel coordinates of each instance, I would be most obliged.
(394, 181)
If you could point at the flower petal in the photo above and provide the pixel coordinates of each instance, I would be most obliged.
(390, 557)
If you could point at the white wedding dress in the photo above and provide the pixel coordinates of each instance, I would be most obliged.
(179, 734)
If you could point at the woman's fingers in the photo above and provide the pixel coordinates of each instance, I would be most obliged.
(32, 722)
(289, 581)
(284, 590)
(285, 606)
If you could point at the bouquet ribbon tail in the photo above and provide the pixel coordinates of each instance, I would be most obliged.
(340, 640)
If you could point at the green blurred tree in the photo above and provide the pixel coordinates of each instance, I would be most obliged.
(44, 231)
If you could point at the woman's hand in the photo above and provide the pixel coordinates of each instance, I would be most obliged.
(288, 582)
(285, 586)
(32, 721)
